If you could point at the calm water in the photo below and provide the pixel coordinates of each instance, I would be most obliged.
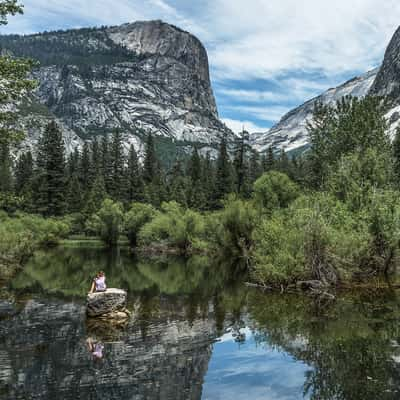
(195, 334)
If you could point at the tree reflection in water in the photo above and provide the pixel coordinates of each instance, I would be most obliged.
(180, 308)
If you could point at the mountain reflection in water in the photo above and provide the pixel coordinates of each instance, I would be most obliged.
(197, 332)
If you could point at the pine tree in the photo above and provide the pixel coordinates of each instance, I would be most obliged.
(117, 188)
(73, 163)
(177, 184)
(283, 163)
(74, 195)
(134, 177)
(50, 193)
(150, 161)
(194, 192)
(6, 183)
(96, 197)
(106, 170)
(95, 162)
(208, 180)
(223, 179)
(24, 174)
(240, 164)
(396, 155)
(255, 170)
(84, 168)
(269, 163)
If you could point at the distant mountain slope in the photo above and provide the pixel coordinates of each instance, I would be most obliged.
(141, 77)
(291, 131)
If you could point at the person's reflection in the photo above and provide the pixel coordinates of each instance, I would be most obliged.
(95, 348)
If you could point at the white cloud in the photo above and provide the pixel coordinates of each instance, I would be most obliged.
(266, 38)
(237, 126)
(269, 113)
(255, 96)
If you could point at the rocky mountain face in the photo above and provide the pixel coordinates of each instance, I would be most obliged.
(387, 82)
(291, 133)
(139, 78)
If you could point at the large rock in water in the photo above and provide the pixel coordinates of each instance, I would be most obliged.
(109, 303)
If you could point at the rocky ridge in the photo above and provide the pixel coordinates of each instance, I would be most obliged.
(140, 78)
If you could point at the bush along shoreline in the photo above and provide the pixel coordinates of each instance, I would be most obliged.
(22, 234)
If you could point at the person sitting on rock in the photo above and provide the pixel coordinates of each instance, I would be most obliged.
(99, 283)
(96, 348)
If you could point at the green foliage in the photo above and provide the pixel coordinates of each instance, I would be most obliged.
(50, 173)
(316, 238)
(175, 226)
(20, 236)
(274, 190)
(231, 229)
(107, 222)
(83, 47)
(383, 219)
(138, 215)
(358, 175)
(223, 176)
(353, 125)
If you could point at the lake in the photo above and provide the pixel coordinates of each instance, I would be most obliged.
(197, 332)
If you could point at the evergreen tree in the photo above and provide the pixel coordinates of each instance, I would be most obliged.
(106, 170)
(24, 174)
(73, 163)
(50, 193)
(352, 125)
(208, 180)
(396, 155)
(74, 195)
(177, 184)
(134, 177)
(6, 183)
(255, 166)
(150, 161)
(117, 188)
(269, 160)
(96, 197)
(283, 163)
(223, 179)
(240, 164)
(194, 193)
(95, 162)
(84, 168)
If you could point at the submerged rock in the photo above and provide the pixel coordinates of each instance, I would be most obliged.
(108, 304)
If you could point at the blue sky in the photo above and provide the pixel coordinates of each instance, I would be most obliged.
(266, 56)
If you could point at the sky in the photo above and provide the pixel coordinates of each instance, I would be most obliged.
(266, 56)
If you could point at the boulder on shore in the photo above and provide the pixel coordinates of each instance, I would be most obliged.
(110, 303)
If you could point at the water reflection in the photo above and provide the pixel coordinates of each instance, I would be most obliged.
(195, 333)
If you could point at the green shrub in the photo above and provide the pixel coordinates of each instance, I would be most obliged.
(357, 176)
(177, 227)
(231, 229)
(274, 190)
(382, 216)
(21, 235)
(107, 222)
(138, 215)
(316, 238)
